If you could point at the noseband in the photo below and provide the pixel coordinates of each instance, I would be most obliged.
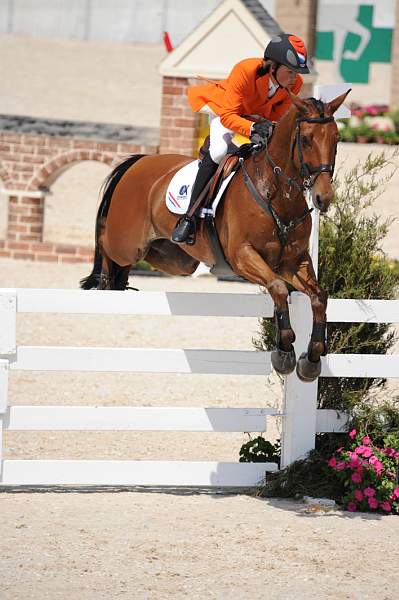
(309, 173)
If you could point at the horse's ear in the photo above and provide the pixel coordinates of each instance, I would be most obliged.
(334, 105)
(298, 102)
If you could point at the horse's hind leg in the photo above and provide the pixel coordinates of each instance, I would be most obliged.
(251, 265)
(113, 276)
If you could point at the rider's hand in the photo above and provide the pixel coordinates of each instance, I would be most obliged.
(261, 131)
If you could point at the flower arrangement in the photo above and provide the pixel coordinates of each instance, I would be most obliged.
(371, 123)
(373, 110)
(368, 473)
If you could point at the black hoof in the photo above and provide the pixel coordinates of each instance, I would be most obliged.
(306, 370)
(283, 362)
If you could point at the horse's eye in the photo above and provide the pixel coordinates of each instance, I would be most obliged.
(306, 141)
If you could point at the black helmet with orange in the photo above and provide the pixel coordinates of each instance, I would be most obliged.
(289, 50)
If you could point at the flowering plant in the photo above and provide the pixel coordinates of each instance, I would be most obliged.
(369, 474)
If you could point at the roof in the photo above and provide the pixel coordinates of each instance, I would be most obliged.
(262, 16)
(79, 129)
(234, 30)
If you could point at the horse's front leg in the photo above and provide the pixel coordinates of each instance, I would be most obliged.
(249, 264)
(304, 280)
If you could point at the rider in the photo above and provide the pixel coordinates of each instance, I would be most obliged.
(255, 88)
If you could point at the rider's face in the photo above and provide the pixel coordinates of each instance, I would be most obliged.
(285, 76)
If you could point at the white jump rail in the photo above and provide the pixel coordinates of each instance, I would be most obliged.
(301, 420)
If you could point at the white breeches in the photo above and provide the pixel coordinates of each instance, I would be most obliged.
(220, 139)
(220, 136)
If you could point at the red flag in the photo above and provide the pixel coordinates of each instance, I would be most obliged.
(167, 42)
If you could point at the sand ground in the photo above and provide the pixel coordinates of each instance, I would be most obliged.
(152, 544)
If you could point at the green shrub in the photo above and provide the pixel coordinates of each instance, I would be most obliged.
(363, 130)
(347, 134)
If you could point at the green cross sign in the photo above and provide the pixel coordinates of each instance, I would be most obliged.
(378, 48)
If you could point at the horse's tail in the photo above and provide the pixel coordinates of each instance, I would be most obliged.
(108, 188)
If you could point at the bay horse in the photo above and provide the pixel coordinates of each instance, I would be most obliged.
(263, 222)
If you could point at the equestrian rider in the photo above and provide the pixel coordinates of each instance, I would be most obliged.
(256, 88)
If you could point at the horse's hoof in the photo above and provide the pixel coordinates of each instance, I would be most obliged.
(306, 370)
(283, 362)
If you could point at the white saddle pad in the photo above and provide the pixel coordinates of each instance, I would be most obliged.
(179, 191)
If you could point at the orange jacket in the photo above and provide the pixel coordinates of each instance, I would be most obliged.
(242, 93)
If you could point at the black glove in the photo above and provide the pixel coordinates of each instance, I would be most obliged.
(261, 131)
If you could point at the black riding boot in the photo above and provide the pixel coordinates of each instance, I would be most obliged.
(185, 227)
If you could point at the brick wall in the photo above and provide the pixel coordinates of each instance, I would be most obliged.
(29, 165)
(46, 252)
(179, 125)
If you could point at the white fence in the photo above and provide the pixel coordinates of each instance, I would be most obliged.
(300, 417)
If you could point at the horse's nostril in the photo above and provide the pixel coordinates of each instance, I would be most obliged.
(319, 203)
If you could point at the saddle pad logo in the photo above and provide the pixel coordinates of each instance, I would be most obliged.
(181, 199)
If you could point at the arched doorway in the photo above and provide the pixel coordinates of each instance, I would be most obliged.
(71, 206)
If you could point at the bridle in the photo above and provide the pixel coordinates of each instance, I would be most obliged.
(309, 173)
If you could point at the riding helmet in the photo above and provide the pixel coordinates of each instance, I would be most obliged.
(289, 50)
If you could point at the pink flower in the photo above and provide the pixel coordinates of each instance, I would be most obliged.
(341, 465)
(396, 492)
(391, 452)
(356, 477)
(359, 495)
(369, 491)
(376, 463)
(352, 434)
(352, 507)
(364, 450)
(332, 462)
(373, 503)
(366, 440)
(385, 506)
(355, 461)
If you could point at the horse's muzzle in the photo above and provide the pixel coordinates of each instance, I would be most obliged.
(321, 201)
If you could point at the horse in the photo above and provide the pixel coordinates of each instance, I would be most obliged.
(263, 222)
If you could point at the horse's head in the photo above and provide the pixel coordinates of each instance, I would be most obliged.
(314, 146)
